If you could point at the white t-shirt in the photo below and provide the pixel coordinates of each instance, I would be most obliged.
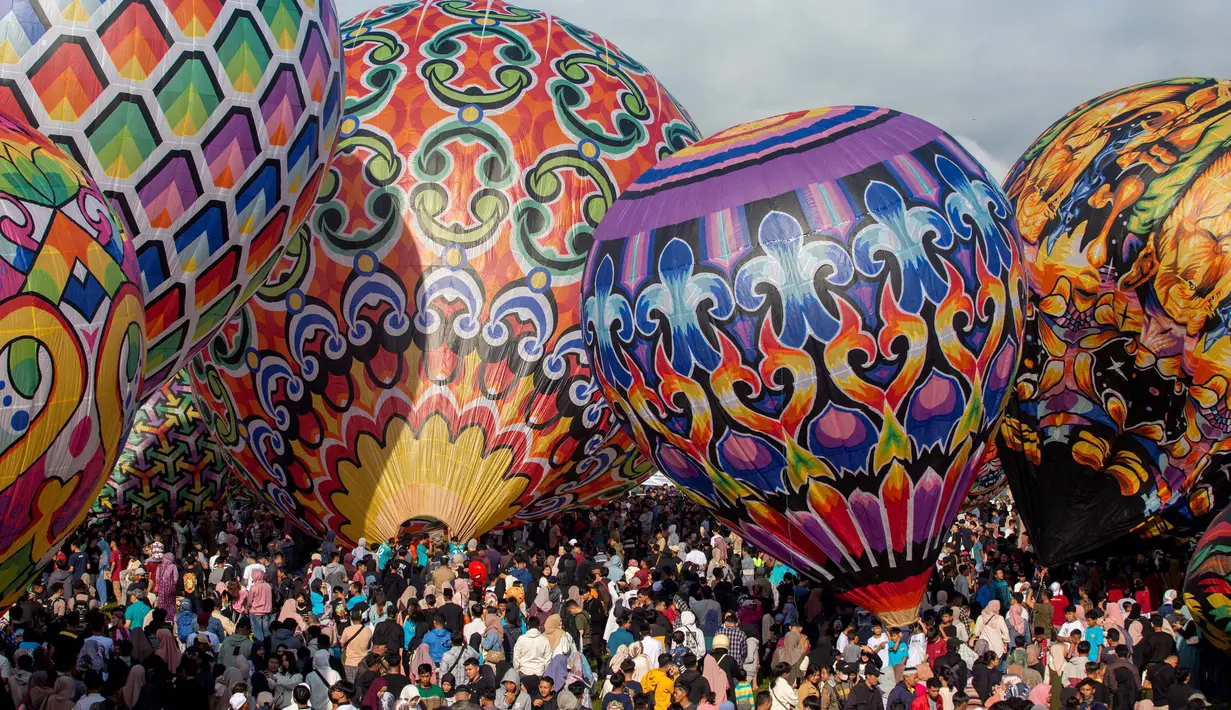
(881, 641)
(476, 626)
(249, 570)
(1070, 626)
(88, 701)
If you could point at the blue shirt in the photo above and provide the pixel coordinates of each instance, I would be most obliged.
(135, 614)
(1094, 634)
(898, 653)
(619, 637)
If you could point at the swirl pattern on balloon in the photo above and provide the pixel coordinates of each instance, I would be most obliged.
(208, 125)
(72, 335)
(811, 323)
(416, 353)
(1122, 401)
(171, 462)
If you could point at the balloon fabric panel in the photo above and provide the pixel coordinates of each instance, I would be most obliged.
(208, 124)
(990, 479)
(416, 355)
(71, 340)
(812, 323)
(1207, 584)
(171, 462)
(1120, 419)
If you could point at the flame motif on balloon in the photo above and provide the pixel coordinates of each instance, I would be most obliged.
(208, 124)
(171, 462)
(417, 354)
(72, 335)
(812, 323)
(1122, 401)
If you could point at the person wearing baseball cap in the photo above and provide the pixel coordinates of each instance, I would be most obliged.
(867, 695)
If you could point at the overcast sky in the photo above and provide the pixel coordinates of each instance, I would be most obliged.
(994, 73)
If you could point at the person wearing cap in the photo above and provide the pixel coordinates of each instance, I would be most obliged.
(867, 695)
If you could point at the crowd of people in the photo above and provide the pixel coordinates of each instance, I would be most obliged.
(647, 604)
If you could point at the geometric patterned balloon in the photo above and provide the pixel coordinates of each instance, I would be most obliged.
(1122, 419)
(418, 359)
(171, 463)
(1207, 585)
(812, 323)
(71, 341)
(208, 124)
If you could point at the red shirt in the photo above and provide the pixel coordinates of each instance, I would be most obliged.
(1059, 602)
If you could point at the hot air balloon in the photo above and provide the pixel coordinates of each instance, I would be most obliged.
(208, 124)
(1120, 419)
(416, 357)
(171, 462)
(811, 323)
(990, 480)
(1207, 584)
(72, 334)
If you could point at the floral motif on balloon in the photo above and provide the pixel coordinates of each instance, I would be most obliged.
(208, 125)
(72, 335)
(812, 323)
(1122, 400)
(416, 356)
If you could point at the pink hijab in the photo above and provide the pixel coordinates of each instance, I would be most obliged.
(1040, 695)
(168, 649)
(717, 678)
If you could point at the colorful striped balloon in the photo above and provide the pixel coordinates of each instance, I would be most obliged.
(1207, 585)
(811, 323)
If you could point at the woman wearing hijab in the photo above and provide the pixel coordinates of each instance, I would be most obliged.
(237, 673)
(793, 650)
(360, 552)
(137, 695)
(61, 695)
(561, 643)
(168, 649)
(992, 629)
(165, 583)
(142, 648)
(720, 685)
(1055, 673)
(1040, 696)
(290, 613)
(541, 607)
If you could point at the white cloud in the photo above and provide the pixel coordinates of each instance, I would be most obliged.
(996, 167)
(996, 73)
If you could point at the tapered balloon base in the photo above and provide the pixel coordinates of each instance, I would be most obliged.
(894, 603)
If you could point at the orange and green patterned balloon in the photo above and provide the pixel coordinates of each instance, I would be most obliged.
(416, 354)
(72, 334)
(207, 123)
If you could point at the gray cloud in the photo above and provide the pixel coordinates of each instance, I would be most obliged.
(994, 73)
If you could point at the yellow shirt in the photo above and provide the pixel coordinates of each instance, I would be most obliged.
(661, 685)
